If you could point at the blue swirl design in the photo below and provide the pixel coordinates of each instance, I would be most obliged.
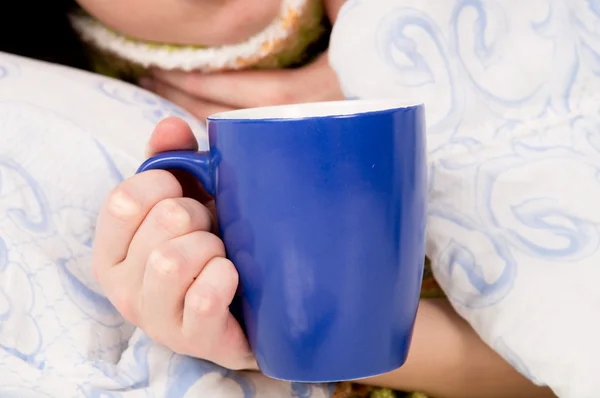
(457, 257)
(18, 312)
(581, 237)
(184, 372)
(95, 305)
(593, 138)
(154, 108)
(131, 374)
(3, 247)
(67, 328)
(8, 68)
(17, 309)
(514, 359)
(110, 163)
(487, 53)
(392, 40)
(551, 118)
(39, 222)
(5, 306)
(141, 370)
(527, 126)
(588, 37)
(594, 6)
(26, 209)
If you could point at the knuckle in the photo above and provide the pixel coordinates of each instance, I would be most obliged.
(173, 215)
(121, 204)
(204, 302)
(166, 261)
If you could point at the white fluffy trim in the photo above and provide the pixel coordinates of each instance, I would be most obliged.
(234, 56)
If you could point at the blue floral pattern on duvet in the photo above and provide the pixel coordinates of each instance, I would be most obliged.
(511, 91)
(59, 336)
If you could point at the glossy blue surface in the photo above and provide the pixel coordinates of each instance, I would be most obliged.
(324, 218)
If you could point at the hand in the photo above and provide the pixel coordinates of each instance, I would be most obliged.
(160, 266)
(205, 94)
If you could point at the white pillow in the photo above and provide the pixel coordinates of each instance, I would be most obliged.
(66, 138)
(511, 91)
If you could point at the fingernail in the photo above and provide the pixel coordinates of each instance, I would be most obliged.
(123, 205)
(147, 83)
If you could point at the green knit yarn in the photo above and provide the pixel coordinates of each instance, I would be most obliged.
(383, 393)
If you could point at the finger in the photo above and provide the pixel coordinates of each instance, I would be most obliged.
(175, 134)
(171, 269)
(207, 321)
(124, 211)
(170, 134)
(196, 105)
(168, 219)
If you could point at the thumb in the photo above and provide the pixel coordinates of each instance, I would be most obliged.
(171, 134)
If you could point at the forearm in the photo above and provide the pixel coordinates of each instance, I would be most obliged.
(447, 359)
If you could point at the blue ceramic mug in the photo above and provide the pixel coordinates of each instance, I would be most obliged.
(322, 210)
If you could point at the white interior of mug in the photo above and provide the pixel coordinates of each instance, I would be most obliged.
(314, 109)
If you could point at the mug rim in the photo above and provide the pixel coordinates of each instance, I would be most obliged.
(315, 110)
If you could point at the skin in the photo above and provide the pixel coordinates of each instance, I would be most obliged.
(193, 22)
(162, 268)
(448, 360)
(211, 23)
(155, 255)
(206, 94)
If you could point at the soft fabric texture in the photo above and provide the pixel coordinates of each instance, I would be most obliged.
(66, 138)
(511, 92)
(294, 37)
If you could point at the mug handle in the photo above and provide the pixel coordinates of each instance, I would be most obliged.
(196, 163)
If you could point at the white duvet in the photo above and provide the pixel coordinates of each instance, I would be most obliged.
(512, 94)
(66, 138)
(511, 89)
